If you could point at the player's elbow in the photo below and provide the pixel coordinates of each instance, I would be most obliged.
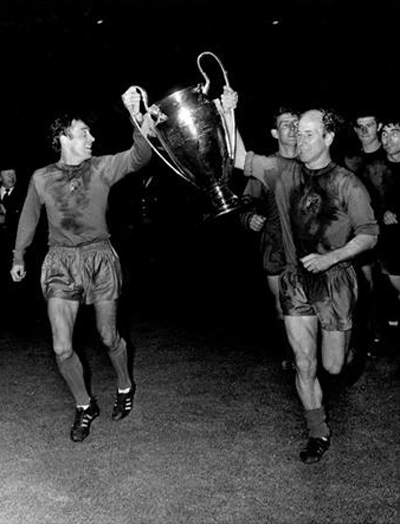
(372, 241)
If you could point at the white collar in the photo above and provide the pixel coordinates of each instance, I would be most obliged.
(4, 189)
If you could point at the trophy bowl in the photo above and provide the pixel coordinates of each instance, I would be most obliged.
(193, 133)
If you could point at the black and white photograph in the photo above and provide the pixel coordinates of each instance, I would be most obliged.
(200, 263)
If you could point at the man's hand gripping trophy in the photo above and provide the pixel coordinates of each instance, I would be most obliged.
(132, 100)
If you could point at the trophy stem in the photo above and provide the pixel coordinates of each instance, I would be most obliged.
(223, 200)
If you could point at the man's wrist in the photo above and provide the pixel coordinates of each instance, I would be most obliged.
(18, 259)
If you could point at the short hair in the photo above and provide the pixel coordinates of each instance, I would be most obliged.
(364, 112)
(60, 126)
(390, 120)
(281, 110)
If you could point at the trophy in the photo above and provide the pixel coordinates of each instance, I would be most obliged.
(193, 131)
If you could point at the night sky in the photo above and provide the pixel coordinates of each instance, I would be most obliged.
(85, 54)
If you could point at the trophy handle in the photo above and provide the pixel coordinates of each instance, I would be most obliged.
(157, 116)
(230, 136)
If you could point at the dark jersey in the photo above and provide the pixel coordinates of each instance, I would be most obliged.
(76, 198)
(320, 210)
(271, 244)
(359, 161)
(384, 177)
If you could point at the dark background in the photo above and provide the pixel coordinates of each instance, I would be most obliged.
(86, 53)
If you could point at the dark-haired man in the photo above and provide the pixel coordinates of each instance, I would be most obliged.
(263, 218)
(81, 266)
(384, 176)
(368, 332)
(366, 126)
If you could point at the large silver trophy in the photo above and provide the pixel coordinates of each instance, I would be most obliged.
(193, 132)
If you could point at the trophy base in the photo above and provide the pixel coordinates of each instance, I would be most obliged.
(224, 201)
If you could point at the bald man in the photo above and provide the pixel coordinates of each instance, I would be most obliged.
(326, 220)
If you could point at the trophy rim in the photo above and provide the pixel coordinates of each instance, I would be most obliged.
(176, 92)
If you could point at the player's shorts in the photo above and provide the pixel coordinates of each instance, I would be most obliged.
(86, 274)
(331, 296)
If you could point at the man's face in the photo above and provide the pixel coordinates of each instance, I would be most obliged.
(79, 140)
(286, 127)
(391, 139)
(366, 129)
(312, 140)
(8, 178)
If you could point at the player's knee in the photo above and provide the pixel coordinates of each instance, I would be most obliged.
(306, 365)
(62, 352)
(110, 339)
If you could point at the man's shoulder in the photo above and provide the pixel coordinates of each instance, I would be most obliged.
(44, 175)
(344, 175)
(97, 161)
(289, 166)
(275, 163)
(46, 170)
(347, 182)
(262, 158)
(272, 157)
(268, 169)
(340, 170)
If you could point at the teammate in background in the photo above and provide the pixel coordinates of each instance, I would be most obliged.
(384, 176)
(263, 218)
(369, 322)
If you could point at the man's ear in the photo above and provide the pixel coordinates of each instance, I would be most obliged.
(329, 137)
(63, 138)
(274, 133)
(379, 127)
(66, 133)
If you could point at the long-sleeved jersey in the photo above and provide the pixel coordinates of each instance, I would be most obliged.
(320, 210)
(76, 197)
(271, 245)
